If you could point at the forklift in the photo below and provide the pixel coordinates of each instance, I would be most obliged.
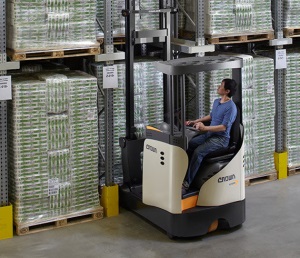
(154, 167)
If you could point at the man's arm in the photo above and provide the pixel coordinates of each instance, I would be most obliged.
(215, 128)
(202, 119)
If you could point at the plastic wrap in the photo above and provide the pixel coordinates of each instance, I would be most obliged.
(50, 24)
(143, 21)
(291, 9)
(264, 110)
(233, 16)
(292, 107)
(53, 136)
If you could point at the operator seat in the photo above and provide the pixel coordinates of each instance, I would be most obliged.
(217, 160)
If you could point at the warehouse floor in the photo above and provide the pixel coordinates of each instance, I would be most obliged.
(272, 229)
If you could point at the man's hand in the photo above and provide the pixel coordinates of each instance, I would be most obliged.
(190, 123)
(200, 126)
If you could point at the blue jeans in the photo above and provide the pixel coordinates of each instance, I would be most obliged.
(198, 148)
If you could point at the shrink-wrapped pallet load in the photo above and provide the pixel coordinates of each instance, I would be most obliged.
(291, 9)
(292, 108)
(53, 150)
(142, 21)
(232, 16)
(50, 24)
(264, 111)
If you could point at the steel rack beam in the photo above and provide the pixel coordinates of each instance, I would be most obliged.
(108, 98)
(5, 66)
(200, 14)
(190, 47)
(280, 155)
(119, 55)
(3, 113)
(280, 142)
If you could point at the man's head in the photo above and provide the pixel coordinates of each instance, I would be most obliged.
(229, 86)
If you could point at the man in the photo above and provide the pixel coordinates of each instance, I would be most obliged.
(214, 136)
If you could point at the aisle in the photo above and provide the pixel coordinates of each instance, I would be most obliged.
(272, 229)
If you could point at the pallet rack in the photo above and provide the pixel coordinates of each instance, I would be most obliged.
(278, 43)
(4, 66)
(109, 56)
(193, 48)
(5, 207)
(280, 155)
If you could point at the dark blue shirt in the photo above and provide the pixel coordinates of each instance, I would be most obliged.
(223, 114)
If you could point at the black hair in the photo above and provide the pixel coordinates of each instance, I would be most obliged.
(230, 84)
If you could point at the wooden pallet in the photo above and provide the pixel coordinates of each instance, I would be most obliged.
(58, 222)
(24, 55)
(291, 32)
(117, 40)
(259, 179)
(243, 38)
(293, 170)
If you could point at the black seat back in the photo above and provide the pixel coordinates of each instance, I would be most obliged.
(235, 130)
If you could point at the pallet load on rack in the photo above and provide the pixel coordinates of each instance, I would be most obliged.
(144, 21)
(53, 149)
(50, 25)
(292, 108)
(291, 19)
(264, 110)
(233, 21)
(148, 104)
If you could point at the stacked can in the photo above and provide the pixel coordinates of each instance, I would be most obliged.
(153, 93)
(84, 139)
(233, 16)
(34, 25)
(54, 150)
(26, 24)
(143, 21)
(262, 15)
(27, 148)
(291, 10)
(220, 17)
(264, 109)
(292, 108)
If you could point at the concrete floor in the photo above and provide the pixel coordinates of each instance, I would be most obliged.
(272, 229)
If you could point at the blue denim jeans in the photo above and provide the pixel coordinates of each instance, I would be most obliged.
(198, 148)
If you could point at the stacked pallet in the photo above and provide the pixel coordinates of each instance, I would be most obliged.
(292, 108)
(39, 25)
(53, 155)
(264, 111)
(291, 20)
(143, 21)
(291, 13)
(148, 104)
(232, 21)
